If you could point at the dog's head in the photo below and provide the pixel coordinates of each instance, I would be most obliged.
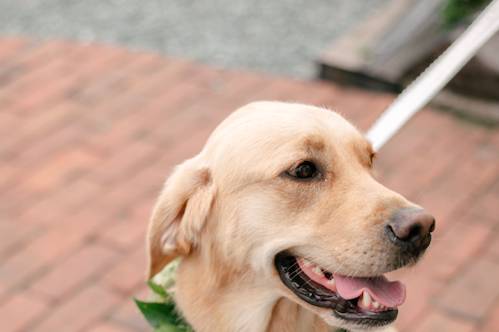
(285, 193)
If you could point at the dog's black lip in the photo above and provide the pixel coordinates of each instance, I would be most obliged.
(317, 295)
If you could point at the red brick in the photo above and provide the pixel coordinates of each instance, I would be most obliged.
(52, 208)
(128, 274)
(324, 94)
(439, 322)
(98, 60)
(123, 164)
(126, 313)
(41, 53)
(138, 124)
(114, 203)
(141, 211)
(7, 173)
(55, 172)
(125, 233)
(9, 121)
(492, 251)
(47, 248)
(456, 248)
(44, 150)
(369, 106)
(67, 78)
(119, 202)
(105, 58)
(472, 292)
(109, 327)
(151, 178)
(36, 57)
(79, 312)
(485, 207)
(40, 124)
(19, 312)
(285, 89)
(445, 206)
(421, 288)
(10, 47)
(39, 62)
(282, 89)
(73, 272)
(188, 147)
(42, 94)
(491, 323)
(13, 235)
(113, 83)
(36, 127)
(151, 82)
(61, 72)
(436, 170)
(403, 168)
(78, 194)
(207, 113)
(90, 78)
(3, 291)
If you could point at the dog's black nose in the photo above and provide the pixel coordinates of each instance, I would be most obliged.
(410, 228)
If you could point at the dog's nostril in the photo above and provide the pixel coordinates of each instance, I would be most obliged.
(414, 232)
(432, 226)
(391, 233)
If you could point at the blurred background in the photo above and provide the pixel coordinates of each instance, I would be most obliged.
(100, 99)
(280, 37)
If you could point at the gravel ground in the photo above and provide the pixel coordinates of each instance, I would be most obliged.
(282, 36)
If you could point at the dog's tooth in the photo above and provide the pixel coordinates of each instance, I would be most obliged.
(306, 262)
(376, 305)
(317, 270)
(332, 284)
(366, 299)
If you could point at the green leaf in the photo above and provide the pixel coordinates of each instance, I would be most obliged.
(455, 11)
(162, 316)
(166, 277)
(157, 314)
(158, 289)
(168, 328)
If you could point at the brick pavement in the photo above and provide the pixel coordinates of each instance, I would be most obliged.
(89, 132)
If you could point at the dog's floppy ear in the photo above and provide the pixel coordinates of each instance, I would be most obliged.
(179, 215)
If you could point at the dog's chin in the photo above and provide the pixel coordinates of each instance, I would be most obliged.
(355, 303)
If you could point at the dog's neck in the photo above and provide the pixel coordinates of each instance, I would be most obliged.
(231, 302)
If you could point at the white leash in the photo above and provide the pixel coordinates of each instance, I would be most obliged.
(435, 77)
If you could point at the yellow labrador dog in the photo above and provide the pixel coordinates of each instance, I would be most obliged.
(282, 227)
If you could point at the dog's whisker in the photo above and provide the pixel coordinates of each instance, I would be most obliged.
(307, 280)
(295, 273)
(294, 266)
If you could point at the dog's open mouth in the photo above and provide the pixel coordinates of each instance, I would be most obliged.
(365, 301)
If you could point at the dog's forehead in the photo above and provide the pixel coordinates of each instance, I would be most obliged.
(264, 123)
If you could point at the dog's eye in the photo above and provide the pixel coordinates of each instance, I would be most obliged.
(305, 170)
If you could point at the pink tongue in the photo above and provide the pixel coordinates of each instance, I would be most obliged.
(388, 293)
